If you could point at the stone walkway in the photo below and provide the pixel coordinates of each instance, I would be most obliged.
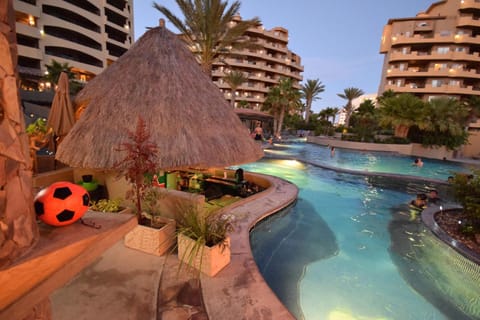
(127, 284)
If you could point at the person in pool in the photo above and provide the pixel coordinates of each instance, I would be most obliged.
(417, 205)
(418, 162)
(433, 197)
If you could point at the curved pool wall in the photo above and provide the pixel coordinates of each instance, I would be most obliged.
(450, 301)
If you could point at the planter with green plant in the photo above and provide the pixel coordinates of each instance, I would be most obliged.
(466, 189)
(107, 205)
(202, 240)
(154, 234)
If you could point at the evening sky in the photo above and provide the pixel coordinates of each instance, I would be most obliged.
(338, 41)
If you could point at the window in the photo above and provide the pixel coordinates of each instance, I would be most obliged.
(440, 66)
(443, 50)
(454, 83)
(437, 83)
(460, 49)
(444, 33)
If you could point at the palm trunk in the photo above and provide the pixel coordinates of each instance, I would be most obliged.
(307, 111)
(280, 122)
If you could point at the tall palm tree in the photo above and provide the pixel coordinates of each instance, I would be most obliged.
(290, 101)
(310, 91)
(235, 79)
(272, 104)
(349, 94)
(281, 99)
(207, 28)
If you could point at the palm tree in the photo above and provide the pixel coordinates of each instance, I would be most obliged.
(235, 79)
(349, 94)
(55, 68)
(272, 104)
(331, 113)
(208, 29)
(402, 112)
(53, 74)
(290, 101)
(447, 116)
(282, 99)
(310, 91)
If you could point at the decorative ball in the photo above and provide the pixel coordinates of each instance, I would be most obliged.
(61, 204)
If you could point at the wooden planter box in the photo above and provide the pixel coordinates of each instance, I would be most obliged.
(151, 240)
(209, 260)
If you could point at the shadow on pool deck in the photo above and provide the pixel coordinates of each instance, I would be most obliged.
(128, 284)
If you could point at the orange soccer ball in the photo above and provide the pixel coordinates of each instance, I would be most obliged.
(61, 204)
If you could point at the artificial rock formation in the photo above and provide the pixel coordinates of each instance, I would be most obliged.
(18, 228)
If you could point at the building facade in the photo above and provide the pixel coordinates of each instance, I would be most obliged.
(263, 66)
(435, 54)
(88, 35)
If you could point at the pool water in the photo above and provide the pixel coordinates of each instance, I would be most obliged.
(350, 248)
(386, 162)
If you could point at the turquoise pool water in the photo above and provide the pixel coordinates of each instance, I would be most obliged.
(387, 162)
(351, 249)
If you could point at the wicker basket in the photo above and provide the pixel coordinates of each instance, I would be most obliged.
(151, 240)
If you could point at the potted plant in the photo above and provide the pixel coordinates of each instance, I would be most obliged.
(202, 240)
(154, 234)
(106, 205)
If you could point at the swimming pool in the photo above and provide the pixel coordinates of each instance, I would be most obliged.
(349, 248)
(367, 161)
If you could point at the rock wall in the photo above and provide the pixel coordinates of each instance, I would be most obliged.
(18, 227)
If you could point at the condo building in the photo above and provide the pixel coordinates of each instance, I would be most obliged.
(88, 35)
(263, 66)
(435, 54)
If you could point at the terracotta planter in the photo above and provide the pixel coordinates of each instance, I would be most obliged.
(151, 240)
(209, 260)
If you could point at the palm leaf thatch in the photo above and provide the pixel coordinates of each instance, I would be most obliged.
(159, 80)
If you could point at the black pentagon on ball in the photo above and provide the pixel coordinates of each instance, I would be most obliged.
(62, 193)
(65, 215)
(86, 199)
(39, 209)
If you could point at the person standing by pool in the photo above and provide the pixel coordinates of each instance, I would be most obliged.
(258, 132)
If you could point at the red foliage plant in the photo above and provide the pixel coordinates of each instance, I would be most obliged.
(140, 159)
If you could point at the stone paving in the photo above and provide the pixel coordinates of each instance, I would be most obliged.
(128, 284)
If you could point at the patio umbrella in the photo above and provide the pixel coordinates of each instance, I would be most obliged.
(61, 117)
(159, 80)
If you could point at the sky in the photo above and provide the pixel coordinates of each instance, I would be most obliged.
(338, 41)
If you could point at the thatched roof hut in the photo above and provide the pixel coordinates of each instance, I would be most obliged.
(159, 80)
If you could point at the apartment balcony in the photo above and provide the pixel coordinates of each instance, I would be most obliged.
(433, 73)
(30, 52)
(21, 6)
(468, 21)
(469, 4)
(398, 40)
(428, 89)
(433, 56)
(27, 30)
(76, 64)
(268, 34)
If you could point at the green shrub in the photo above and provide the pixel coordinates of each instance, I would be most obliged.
(106, 205)
(466, 188)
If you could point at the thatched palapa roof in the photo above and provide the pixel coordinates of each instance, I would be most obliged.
(159, 80)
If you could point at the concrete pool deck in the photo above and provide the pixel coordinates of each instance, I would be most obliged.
(128, 284)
